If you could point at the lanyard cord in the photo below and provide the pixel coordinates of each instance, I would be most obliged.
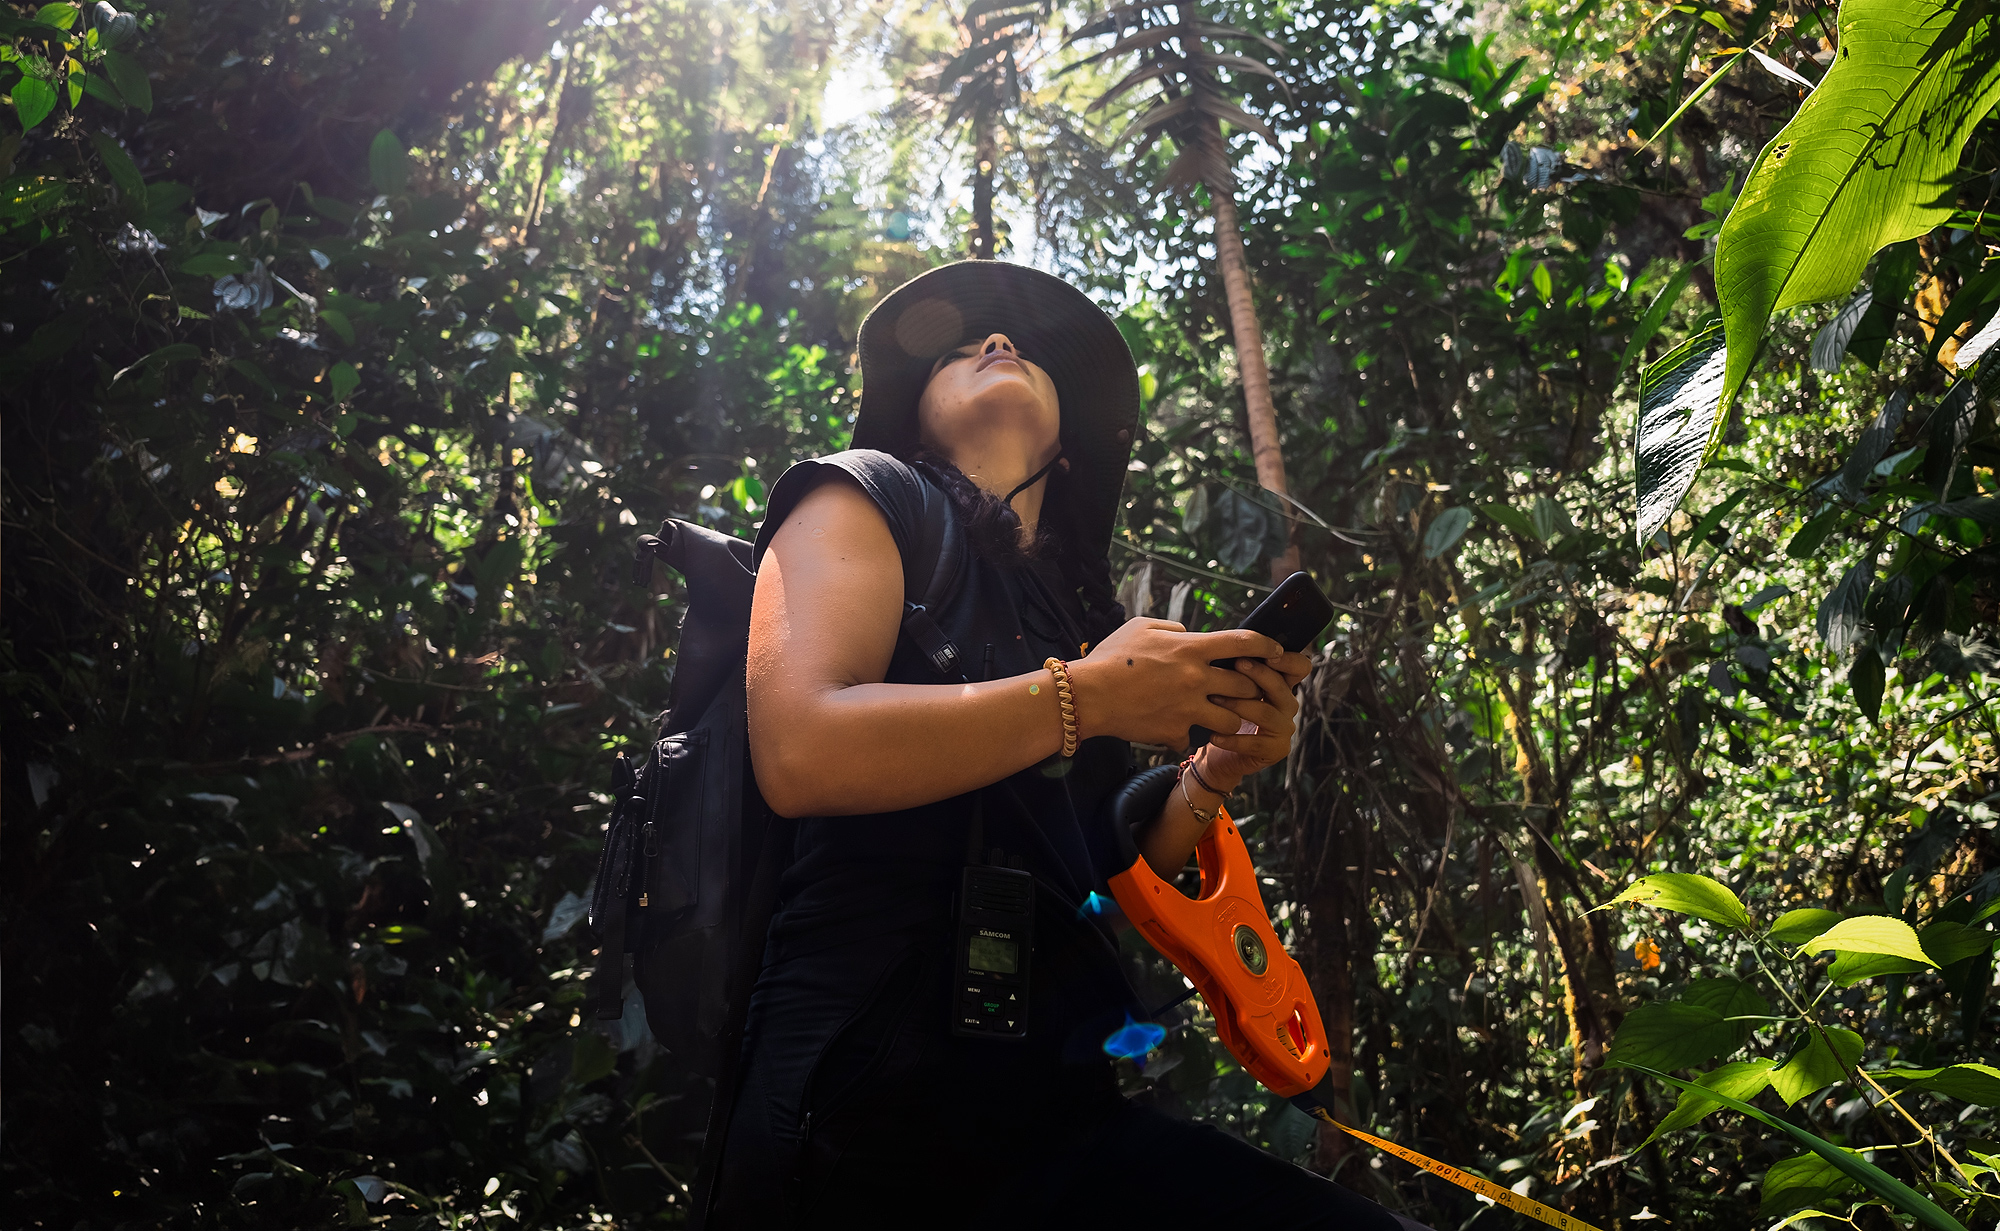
(1032, 479)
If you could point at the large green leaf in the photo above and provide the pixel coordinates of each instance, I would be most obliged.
(33, 100)
(1871, 1177)
(1733, 999)
(1796, 927)
(1796, 1183)
(1969, 1083)
(1870, 934)
(1866, 678)
(388, 162)
(1946, 942)
(1446, 531)
(1678, 397)
(1865, 163)
(1691, 894)
(1744, 1079)
(1675, 1036)
(1827, 1058)
(130, 78)
(342, 379)
(123, 172)
(1849, 969)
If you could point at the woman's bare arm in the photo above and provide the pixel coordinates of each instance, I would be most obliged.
(829, 738)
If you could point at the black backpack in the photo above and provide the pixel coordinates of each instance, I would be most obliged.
(688, 876)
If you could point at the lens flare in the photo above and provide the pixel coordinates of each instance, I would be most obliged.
(1095, 904)
(1134, 1039)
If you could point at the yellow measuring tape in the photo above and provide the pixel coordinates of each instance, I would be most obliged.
(1485, 1188)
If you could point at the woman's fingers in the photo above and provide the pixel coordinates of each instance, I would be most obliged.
(1295, 667)
(1271, 740)
(1271, 684)
(1229, 682)
(1237, 643)
(1219, 714)
(1268, 717)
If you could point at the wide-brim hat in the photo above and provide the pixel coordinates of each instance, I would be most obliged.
(1055, 326)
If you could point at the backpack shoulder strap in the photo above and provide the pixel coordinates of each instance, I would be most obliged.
(930, 578)
(931, 570)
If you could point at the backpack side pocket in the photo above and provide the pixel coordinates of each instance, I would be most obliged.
(670, 835)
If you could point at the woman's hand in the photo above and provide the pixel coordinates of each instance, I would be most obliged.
(1168, 840)
(1152, 680)
(1230, 758)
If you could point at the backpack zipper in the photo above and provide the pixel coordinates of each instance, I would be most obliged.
(649, 847)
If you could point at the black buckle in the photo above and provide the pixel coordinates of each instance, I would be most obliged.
(930, 639)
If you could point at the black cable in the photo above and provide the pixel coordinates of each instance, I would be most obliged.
(1177, 1001)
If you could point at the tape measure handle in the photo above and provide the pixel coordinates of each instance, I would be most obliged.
(1141, 799)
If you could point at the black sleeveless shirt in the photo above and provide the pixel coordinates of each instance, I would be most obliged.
(892, 874)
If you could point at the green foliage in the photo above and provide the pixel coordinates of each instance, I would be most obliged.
(1868, 161)
(1799, 1182)
(1972, 1083)
(1712, 1019)
(1796, 927)
(1171, 42)
(319, 624)
(1827, 1056)
(1869, 934)
(1742, 1079)
(1689, 893)
(1898, 1194)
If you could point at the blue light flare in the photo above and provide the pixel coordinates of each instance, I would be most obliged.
(1134, 1040)
(1095, 904)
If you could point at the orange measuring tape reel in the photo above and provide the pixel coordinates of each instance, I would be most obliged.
(1264, 1011)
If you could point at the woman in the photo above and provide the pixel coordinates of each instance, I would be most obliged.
(1014, 394)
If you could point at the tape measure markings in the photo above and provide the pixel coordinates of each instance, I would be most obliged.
(1484, 1187)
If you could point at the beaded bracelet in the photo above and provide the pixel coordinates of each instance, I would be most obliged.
(1066, 698)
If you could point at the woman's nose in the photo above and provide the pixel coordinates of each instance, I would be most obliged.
(998, 341)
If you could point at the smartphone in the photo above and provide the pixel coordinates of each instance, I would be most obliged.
(1291, 615)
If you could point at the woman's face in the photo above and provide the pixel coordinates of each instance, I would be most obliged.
(987, 389)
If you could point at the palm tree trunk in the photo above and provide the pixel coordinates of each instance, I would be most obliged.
(982, 189)
(1264, 445)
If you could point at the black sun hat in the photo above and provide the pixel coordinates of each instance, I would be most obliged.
(1054, 325)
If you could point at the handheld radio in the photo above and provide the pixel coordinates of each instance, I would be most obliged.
(996, 923)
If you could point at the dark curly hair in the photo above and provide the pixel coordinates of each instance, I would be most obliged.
(993, 530)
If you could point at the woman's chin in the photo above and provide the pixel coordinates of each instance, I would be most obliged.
(1005, 411)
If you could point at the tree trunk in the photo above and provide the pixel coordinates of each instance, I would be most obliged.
(532, 224)
(1328, 950)
(1264, 444)
(982, 189)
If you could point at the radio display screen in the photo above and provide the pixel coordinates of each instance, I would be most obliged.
(992, 954)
